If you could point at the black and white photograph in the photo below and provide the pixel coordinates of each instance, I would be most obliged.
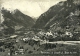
(39, 27)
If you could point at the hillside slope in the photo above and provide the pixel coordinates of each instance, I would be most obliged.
(59, 14)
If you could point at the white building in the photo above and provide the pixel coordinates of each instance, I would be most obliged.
(49, 33)
(68, 34)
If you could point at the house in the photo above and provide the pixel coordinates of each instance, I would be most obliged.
(68, 34)
(25, 39)
(13, 36)
(19, 51)
(49, 33)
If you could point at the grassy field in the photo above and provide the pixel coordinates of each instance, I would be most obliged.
(59, 48)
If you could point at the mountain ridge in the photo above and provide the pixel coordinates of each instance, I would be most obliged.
(56, 14)
(15, 20)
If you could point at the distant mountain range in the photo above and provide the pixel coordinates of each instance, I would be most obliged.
(17, 18)
(62, 15)
(65, 13)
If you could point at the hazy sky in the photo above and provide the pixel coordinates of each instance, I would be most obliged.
(29, 7)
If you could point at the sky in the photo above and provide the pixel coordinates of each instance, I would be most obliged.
(33, 8)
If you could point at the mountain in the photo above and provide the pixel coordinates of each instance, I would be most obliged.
(15, 20)
(60, 15)
(25, 20)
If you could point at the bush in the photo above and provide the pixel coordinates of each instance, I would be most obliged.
(30, 52)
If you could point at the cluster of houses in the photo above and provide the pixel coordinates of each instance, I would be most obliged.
(42, 37)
